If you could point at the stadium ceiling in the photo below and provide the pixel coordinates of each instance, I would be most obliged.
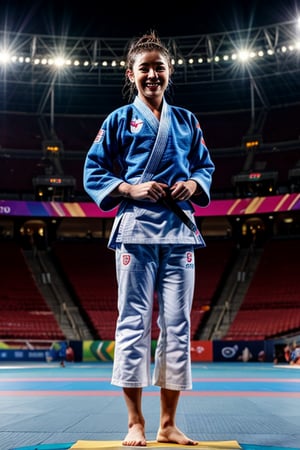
(255, 68)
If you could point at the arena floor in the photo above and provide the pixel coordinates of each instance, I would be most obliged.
(251, 406)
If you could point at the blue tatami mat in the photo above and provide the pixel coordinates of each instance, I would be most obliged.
(47, 407)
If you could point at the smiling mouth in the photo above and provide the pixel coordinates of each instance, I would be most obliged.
(152, 85)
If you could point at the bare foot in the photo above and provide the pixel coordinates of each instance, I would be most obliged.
(135, 436)
(174, 435)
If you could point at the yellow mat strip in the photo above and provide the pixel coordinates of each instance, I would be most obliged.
(209, 445)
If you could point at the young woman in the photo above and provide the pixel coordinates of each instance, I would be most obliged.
(154, 246)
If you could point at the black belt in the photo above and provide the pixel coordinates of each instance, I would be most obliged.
(173, 205)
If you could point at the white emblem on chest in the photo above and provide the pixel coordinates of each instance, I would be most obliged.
(136, 125)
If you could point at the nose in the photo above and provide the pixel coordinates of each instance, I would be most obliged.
(152, 73)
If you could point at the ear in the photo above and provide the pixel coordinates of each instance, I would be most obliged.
(130, 75)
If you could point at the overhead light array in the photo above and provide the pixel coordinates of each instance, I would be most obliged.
(241, 46)
(241, 56)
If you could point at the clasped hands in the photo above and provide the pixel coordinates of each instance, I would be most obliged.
(154, 191)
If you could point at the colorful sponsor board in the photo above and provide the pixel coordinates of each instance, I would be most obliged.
(229, 207)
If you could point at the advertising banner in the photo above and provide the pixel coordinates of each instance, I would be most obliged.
(245, 351)
(23, 355)
(229, 207)
(201, 351)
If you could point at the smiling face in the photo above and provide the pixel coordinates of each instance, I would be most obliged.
(150, 73)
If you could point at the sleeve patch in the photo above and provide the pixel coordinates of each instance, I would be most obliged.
(100, 136)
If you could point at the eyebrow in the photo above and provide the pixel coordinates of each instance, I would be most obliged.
(158, 63)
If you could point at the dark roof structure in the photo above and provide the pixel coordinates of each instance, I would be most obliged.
(254, 69)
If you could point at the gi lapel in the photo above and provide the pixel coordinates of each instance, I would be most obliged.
(162, 129)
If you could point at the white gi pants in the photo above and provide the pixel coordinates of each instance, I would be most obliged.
(141, 270)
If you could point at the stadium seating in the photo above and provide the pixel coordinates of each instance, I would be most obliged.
(89, 268)
(271, 305)
(24, 314)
